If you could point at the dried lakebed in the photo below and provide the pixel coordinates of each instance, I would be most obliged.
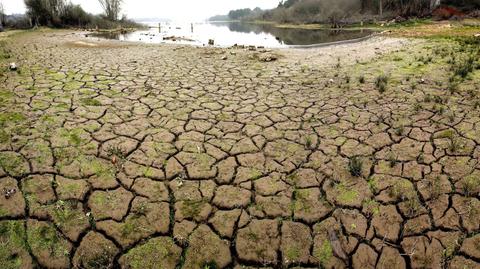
(129, 155)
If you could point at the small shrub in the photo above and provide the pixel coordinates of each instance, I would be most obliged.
(476, 105)
(465, 67)
(470, 185)
(381, 83)
(452, 87)
(361, 79)
(392, 159)
(399, 130)
(454, 144)
(355, 166)
(427, 98)
(308, 142)
(90, 102)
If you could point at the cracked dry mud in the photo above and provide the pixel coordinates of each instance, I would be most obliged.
(157, 156)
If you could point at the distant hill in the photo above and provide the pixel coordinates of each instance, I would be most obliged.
(219, 18)
(151, 20)
(238, 14)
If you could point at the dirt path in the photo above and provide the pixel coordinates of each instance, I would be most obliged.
(146, 156)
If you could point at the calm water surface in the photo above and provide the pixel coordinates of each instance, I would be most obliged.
(229, 33)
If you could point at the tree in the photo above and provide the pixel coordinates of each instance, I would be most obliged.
(2, 15)
(111, 8)
(45, 12)
(75, 15)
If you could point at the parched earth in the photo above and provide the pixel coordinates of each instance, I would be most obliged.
(129, 155)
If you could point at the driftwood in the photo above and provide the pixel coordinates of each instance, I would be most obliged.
(336, 245)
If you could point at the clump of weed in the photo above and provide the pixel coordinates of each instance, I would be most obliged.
(210, 265)
(361, 79)
(452, 87)
(476, 105)
(192, 208)
(463, 68)
(371, 207)
(399, 130)
(100, 260)
(417, 107)
(324, 253)
(308, 142)
(355, 166)
(427, 98)
(372, 185)
(470, 185)
(381, 83)
(338, 65)
(90, 102)
(392, 159)
(454, 144)
(435, 187)
(345, 194)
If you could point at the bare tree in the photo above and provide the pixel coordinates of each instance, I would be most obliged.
(434, 4)
(2, 14)
(111, 8)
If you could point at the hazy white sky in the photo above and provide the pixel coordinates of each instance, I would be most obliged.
(172, 9)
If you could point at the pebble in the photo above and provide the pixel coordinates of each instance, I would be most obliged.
(13, 66)
(9, 193)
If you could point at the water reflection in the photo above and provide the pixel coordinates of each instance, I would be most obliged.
(230, 33)
(291, 36)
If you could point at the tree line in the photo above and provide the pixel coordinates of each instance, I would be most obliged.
(60, 13)
(334, 11)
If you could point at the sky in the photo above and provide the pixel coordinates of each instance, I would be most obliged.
(169, 9)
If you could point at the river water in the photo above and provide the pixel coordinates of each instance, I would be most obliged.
(227, 34)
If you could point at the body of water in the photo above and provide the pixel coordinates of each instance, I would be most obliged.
(227, 34)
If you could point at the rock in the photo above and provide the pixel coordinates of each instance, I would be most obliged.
(211, 42)
(268, 57)
(11, 203)
(13, 66)
(224, 58)
(252, 48)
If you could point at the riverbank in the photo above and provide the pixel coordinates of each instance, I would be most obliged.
(411, 28)
(123, 154)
